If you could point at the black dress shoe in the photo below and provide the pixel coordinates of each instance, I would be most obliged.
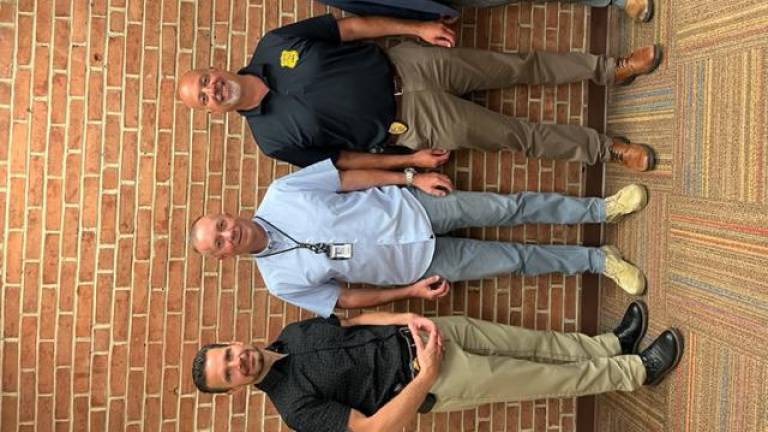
(632, 327)
(662, 356)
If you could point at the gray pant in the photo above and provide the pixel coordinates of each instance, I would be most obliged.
(491, 3)
(459, 259)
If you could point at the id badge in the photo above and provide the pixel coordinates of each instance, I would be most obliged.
(340, 251)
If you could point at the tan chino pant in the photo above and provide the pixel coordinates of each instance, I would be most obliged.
(435, 78)
(487, 362)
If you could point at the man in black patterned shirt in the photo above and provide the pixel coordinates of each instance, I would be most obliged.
(368, 373)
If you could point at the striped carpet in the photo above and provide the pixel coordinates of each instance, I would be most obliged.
(703, 240)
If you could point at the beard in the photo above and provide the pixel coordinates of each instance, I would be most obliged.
(234, 91)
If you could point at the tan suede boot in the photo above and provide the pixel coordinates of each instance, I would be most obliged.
(627, 200)
(627, 276)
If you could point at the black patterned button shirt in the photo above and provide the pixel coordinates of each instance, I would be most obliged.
(329, 369)
(324, 95)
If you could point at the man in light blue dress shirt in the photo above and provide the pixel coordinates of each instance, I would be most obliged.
(319, 227)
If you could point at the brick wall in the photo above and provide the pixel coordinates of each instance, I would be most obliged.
(101, 172)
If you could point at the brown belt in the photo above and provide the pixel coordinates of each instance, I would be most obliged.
(398, 94)
(410, 356)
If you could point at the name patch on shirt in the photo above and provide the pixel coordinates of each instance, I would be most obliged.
(289, 58)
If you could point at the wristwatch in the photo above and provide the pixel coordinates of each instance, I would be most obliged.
(409, 174)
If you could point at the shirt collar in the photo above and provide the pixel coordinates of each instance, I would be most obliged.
(276, 373)
(268, 231)
(259, 70)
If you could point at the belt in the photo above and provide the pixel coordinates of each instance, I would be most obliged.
(397, 92)
(411, 366)
(410, 359)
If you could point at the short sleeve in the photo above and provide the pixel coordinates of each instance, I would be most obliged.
(320, 177)
(319, 299)
(310, 414)
(322, 27)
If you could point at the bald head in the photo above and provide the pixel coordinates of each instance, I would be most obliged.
(221, 236)
(212, 89)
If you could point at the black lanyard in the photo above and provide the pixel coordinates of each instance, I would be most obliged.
(318, 248)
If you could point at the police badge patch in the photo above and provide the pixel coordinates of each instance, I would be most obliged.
(289, 58)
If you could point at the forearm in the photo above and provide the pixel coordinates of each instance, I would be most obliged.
(371, 27)
(358, 179)
(368, 297)
(379, 318)
(399, 411)
(351, 160)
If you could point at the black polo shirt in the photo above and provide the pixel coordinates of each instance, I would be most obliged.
(325, 95)
(330, 369)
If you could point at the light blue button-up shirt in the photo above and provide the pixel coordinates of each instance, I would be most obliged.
(391, 236)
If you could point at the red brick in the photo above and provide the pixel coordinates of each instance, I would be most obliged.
(98, 421)
(11, 302)
(44, 370)
(135, 395)
(16, 217)
(34, 234)
(87, 256)
(84, 305)
(18, 154)
(140, 289)
(95, 93)
(69, 233)
(80, 417)
(170, 393)
(116, 415)
(107, 221)
(154, 370)
(64, 340)
(48, 312)
(150, 74)
(10, 366)
(28, 342)
(172, 340)
(138, 341)
(118, 369)
(44, 421)
(104, 287)
(24, 43)
(159, 264)
(27, 395)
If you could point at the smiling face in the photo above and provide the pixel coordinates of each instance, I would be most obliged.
(233, 366)
(222, 235)
(212, 89)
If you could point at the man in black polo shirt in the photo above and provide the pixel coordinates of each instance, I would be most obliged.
(368, 373)
(310, 93)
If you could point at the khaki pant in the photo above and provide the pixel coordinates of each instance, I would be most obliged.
(434, 79)
(486, 362)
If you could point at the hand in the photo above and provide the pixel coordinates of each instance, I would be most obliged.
(430, 355)
(424, 325)
(431, 288)
(430, 158)
(437, 33)
(433, 183)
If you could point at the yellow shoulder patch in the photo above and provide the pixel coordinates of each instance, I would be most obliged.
(398, 128)
(289, 58)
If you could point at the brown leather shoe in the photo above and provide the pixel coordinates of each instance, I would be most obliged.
(639, 62)
(637, 157)
(640, 10)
